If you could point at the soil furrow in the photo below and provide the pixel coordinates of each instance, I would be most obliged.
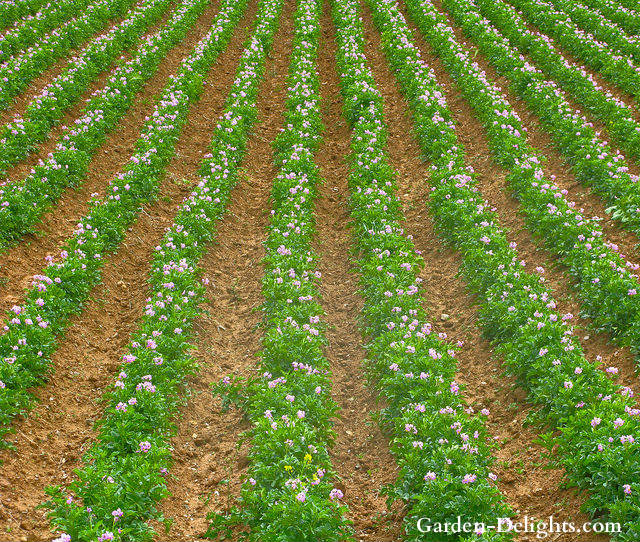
(555, 168)
(361, 453)
(20, 170)
(51, 440)
(598, 78)
(35, 87)
(491, 183)
(19, 263)
(209, 457)
(529, 487)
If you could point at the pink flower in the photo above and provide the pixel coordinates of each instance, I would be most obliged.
(301, 496)
(145, 446)
(336, 494)
(627, 489)
(128, 358)
(469, 478)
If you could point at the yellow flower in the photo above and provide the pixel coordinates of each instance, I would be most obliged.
(288, 468)
(307, 458)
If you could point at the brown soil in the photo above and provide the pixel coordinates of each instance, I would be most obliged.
(21, 101)
(50, 441)
(28, 257)
(361, 454)
(556, 165)
(528, 486)
(491, 182)
(209, 461)
(597, 76)
(23, 168)
(210, 455)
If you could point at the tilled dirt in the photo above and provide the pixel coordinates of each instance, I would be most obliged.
(361, 454)
(20, 262)
(529, 487)
(209, 460)
(51, 440)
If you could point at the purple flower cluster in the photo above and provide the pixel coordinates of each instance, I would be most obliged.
(438, 442)
(546, 359)
(289, 467)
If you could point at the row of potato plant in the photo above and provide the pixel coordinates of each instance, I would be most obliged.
(438, 441)
(21, 136)
(573, 78)
(591, 158)
(17, 72)
(127, 467)
(33, 27)
(616, 68)
(594, 22)
(31, 333)
(594, 424)
(12, 11)
(607, 283)
(625, 17)
(22, 203)
(288, 492)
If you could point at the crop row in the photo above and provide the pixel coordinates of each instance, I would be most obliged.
(133, 453)
(63, 287)
(19, 137)
(23, 203)
(600, 27)
(619, 69)
(626, 18)
(12, 11)
(593, 161)
(617, 115)
(439, 444)
(34, 27)
(17, 72)
(597, 423)
(288, 494)
(607, 282)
